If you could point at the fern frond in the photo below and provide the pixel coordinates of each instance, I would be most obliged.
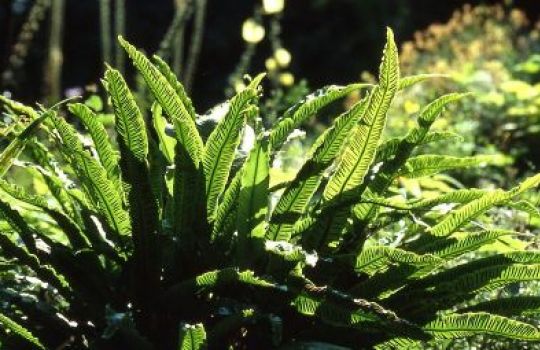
(412, 80)
(473, 209)
(192, 337)
(293, 202)
(372, 259)
(426, 165)
(307, 107)
(101, 190)
(221, 145)
(12, 326)
(253, 199)
(17, 145)
(172, 104)
(463, 325)
(167, 72)
(511, 306)
(107, 156)
(364, 139)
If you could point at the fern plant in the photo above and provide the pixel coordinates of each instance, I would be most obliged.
(159, 238)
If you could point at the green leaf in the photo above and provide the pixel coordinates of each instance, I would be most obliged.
(253, 198)
(101, 190)
(360, 152)
(373, 259)
(221, 145)
(166, 143)
(307, 107)
(143, 209)
(473, 209)
(511, 306)
(167, 72)
(12, 326)
(168, 98)
(192, 337)
(412, 80)
(17, 145)
(463, 325)
(426, 165)
(104, 149)
(295, 199)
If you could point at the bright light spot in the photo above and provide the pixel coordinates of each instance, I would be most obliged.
(270, 64)
(252, 32)
(286, 79)
(273, 6)
(283, 57)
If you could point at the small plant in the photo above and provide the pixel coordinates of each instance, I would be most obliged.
(160, 239)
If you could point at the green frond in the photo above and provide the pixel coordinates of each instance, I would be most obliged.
(129, 124)
(192, 337)
(295, 199)
(253, 199)
(449, 248)
(407, 82)
(359, 154)
(526, 207)
(310, 105)
(12, 326)
(511, 306)
(17, 145)
(463, 325)
(168, 98)
(69, 227)
(427, 165)
(372, 259)
(227, 207)
(100, 189)
(143, 208)
(385, 176)
(220, 148)
(167, 144)
(107, 156)
(473, 209)
(168, 73)
(454, 326)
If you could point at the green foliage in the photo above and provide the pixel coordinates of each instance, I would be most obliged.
(159, 242)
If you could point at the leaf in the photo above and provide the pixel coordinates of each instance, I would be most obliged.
(101, 190)
(372, 259)
(172, 103)
(192, 337)
(166, 143)
(473, 209)
(104, 149)
(167, 72)
(463, 325)
(511, 306)
(143, 209)
(412, 80)
(17, 145)
(222, 143)
(307, 107)
(253, 199)
(12, 326)
(426, 165)
(294, 200)
(227, 207)
(360, 152)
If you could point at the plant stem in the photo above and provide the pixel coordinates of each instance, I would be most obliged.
(55, 60)
(196, 44)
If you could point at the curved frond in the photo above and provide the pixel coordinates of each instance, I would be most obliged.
(172, 104)
(306, 108)
(107, 156)
(12, 326)
(219, 151)
(192, 337)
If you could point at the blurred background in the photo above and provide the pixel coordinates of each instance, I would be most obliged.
(331, 41)
(53, 49)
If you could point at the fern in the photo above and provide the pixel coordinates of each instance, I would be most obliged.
(12, 326)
